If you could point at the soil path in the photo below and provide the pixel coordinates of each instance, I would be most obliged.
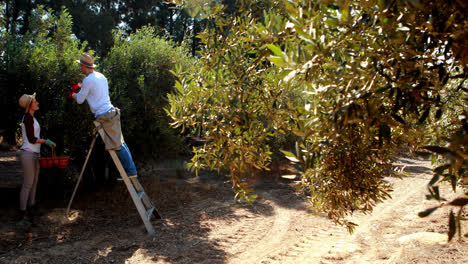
(204, 225)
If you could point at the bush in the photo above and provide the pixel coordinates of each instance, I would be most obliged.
(42, 61)
(138, 69)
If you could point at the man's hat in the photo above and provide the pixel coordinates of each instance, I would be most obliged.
(87, 60)
(25, 100)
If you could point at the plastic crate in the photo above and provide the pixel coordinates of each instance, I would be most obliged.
(59, 162)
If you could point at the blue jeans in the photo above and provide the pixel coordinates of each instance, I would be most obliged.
(126, 159)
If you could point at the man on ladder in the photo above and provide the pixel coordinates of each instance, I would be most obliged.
(95, 90)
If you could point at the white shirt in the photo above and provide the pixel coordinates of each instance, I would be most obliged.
(28, 146)
(96, 91)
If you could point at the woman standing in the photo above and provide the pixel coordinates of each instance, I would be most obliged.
(30, 150)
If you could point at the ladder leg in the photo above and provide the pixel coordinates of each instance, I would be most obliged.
(146, 200)
(139, 189)
(81, 174)
(136, 200)
(139, 197)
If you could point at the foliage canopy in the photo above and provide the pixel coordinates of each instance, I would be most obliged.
(138, 69)
(353, 80)
(43, 61)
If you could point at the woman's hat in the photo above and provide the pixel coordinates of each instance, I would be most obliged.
(87, 60)
(25, 100)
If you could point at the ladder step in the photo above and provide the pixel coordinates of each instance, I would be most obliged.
(130, 177)
(139, 197)
(142, 196)
(149, 212)
(136, 184)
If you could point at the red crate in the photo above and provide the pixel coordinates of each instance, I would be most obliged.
(59, 162)
(46, 162)
(62, 162)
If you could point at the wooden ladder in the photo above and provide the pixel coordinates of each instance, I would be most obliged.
(143, 203)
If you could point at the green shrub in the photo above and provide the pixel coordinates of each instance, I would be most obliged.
(43, 61)
(138, 69)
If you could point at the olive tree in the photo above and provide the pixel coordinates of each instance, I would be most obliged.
(355, 81)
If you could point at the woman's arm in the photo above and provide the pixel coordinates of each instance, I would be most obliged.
(29, 125)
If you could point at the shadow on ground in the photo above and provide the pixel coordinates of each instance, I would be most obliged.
(107, 229)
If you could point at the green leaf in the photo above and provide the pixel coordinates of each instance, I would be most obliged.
(453, 181)
(434, 190)
(459, 202)
(437, 149)
(351, 227)
(424, 116)
(278, 61)
(427, 211)
(434, 179)
(380, 90)
(331, 21)
(399, 119)
(178, 85)
(298, 167)
(291, 9)
(441, 168)
(275, 49)
(344, 14)
(283, 73)
(452, 226)
(290, 156)
(429, 197)
(423, 154)
(289, 76)
(305, 36)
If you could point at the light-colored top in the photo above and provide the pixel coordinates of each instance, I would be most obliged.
(95, 90)
(28, 146)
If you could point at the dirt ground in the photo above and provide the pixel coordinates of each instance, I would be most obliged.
(203, 224)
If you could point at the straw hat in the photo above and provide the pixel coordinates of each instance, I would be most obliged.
(25, 100)
(87, 60)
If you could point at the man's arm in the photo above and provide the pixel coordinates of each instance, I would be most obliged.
(81, 96)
